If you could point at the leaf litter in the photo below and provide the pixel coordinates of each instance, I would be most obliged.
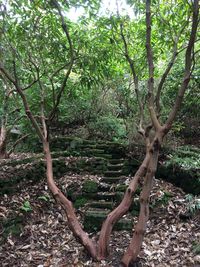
(44, 239)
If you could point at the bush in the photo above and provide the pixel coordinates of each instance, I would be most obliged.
(107, 128)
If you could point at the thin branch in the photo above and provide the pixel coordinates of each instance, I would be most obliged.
(16, 143)
(52, 84)
(153, 115)
(42, 117)
(66, 31)
(58, 70)
(167, 70)
(188, 65)
(135, 79)
(30, 85)
(26, 106)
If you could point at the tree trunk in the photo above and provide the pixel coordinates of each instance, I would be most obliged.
(135, 245)
(3, 143)
(122, 209)
(67, 206)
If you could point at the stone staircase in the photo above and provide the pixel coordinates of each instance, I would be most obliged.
(107, 159)
(111, 191)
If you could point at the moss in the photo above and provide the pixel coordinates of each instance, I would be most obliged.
(93, 221)
(90, 186)
(12, 226)
(119, 196)
(121, 188)
(80, 202)
(196, 248)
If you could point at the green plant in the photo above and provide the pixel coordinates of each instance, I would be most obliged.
(107, 127)
(80, 202)
(162, 199)
(193, 203)
(90, 187)
(26, 206)
(186, 157)
(196, 248)
(45, 198)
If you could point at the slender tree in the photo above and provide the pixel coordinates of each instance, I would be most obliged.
(146, 171)
(149, 165)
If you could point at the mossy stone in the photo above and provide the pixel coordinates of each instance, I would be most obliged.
(80, 202)
(121, 188)
(90, 186)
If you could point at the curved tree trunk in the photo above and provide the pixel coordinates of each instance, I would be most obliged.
(122, 209)
(135, 245)
(67, 206)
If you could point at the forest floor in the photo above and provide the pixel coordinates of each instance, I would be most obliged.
(41, 238)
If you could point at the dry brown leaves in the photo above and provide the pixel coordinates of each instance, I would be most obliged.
(46, 241)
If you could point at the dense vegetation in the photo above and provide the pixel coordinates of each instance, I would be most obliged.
(102, 77)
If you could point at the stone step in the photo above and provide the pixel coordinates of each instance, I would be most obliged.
(115, 167)
(121, 188)
(94, 218)
(88, 146)
(103, 186)
(102, 204)
(94, 151)
(113, 173)
(112, 180)
(102, 146)
(105, 156)
(104, 196)
(117, 161)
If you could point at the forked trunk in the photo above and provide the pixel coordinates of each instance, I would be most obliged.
(119, 211)
(135, 245)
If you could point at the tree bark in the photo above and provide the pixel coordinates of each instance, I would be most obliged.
(67, 206)
(135, 245)
(122, 209)
(3, 143)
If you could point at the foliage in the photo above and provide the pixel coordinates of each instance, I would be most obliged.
(193, 203)
(186, 157)
(196, 248)
(80, 202)
(26, 206)
(99, 92)
(44, 198)
(107, 128)
(60, 68)
(90, 186)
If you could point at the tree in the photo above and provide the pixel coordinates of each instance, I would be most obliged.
(151, 107)
(9, 118)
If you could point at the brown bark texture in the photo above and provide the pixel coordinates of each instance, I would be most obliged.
(3, 142)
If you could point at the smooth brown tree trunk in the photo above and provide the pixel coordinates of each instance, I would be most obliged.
(122, 209)
(135, 245)
(67, 206)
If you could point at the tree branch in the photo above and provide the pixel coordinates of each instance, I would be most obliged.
(167, 70)
(188, 65)
(66, 31)
(152, 112)
(23, 97)
(135, 79)
(16, 143)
